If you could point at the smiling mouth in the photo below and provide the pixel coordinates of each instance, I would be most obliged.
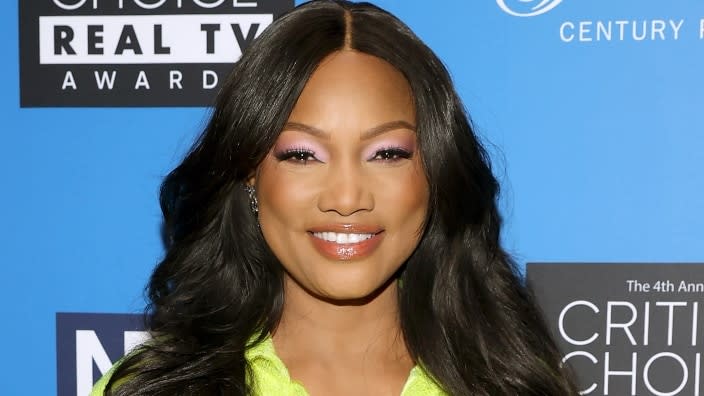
(342, 237)
(346, 245)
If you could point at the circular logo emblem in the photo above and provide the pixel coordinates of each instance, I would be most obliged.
(527, 8)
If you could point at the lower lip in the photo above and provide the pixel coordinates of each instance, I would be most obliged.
(347, 251)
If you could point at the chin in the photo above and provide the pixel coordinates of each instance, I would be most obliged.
(351, 294)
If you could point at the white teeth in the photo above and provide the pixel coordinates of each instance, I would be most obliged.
(342, 238)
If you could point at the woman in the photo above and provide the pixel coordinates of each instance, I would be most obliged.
(335, 231)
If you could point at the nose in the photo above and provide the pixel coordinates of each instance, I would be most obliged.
(347, 191)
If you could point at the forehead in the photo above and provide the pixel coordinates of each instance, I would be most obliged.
(354, 90)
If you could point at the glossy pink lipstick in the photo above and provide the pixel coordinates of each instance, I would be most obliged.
(346, 241)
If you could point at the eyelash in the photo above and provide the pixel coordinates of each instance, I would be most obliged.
(303, 156)
(391, 154)
(298, 155)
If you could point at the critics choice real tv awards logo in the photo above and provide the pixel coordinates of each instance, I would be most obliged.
(527, 8)
(134, 52)
(604, 30)
(626, 329)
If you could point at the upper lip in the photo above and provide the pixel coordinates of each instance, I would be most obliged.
(348, 228)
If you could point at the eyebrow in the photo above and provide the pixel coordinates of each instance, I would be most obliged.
(368, 134)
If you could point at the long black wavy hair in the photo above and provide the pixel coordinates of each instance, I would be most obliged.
(465, 314)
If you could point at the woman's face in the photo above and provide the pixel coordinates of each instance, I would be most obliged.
(342, 194)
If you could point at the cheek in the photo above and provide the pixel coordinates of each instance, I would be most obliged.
(405, 196)
(283, 198)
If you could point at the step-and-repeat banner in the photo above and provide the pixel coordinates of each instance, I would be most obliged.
(592, 111)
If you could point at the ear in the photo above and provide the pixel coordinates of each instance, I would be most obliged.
(251, 180)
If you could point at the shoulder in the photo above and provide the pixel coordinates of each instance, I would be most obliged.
(99, 387)
(420, 383)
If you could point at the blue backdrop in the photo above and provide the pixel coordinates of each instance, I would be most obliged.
(598, 141)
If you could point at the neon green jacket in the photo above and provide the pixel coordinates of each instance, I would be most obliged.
(271, 378)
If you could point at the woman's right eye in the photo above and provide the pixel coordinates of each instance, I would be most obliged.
(297, 156)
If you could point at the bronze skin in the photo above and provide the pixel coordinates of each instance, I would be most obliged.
(342, 202)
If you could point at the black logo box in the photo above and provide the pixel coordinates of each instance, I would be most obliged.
(655, 291)
(41, 85)
(108, 327)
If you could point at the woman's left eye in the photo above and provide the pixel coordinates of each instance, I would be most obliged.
(391, 155)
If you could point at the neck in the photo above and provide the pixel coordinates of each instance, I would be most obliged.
(328, 330)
